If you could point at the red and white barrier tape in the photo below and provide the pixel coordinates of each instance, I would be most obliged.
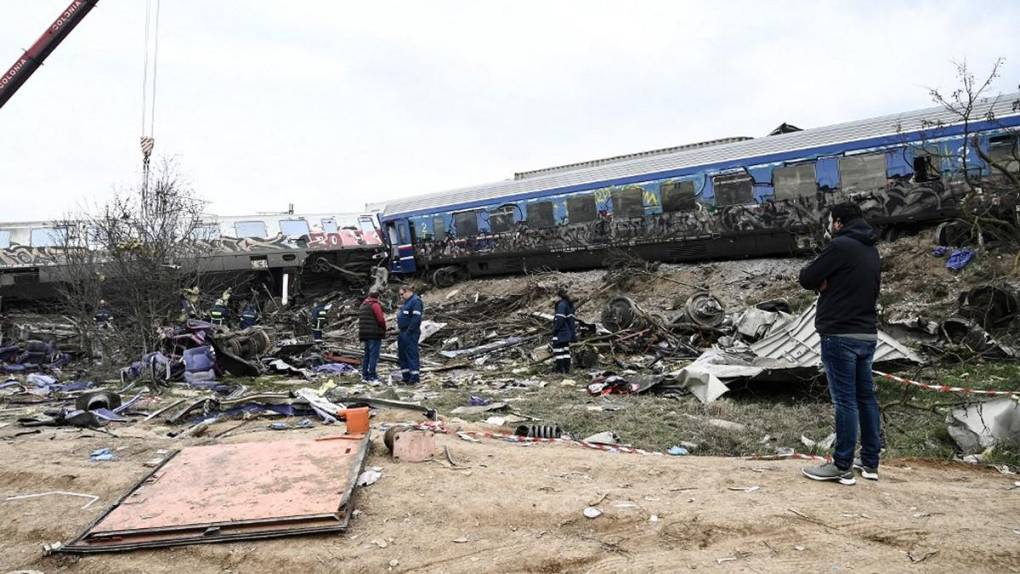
(945, 388)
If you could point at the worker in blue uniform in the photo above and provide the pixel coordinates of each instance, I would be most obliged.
(249, 315)
(409, 318)
(564, 331)
(219, 313)
(104, 316)
(320, 317)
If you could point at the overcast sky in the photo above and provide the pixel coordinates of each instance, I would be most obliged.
(329, 104)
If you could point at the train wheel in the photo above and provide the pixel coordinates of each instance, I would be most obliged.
(446, 276)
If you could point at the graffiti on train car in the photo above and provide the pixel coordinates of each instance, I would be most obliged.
(901, 200)
(25, 256)
(248, 244)
(343, 238)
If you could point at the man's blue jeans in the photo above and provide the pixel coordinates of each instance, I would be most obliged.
(848, 367)
(371, 359)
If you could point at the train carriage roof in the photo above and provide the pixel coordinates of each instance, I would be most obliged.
(883, 130)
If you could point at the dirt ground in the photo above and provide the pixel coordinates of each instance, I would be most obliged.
(514, 508)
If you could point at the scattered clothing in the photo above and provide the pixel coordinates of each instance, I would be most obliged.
(959, 259)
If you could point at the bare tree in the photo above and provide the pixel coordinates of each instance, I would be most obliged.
(988, 206)
(137, 252)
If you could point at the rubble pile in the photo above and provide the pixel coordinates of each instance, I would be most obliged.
(673, 331)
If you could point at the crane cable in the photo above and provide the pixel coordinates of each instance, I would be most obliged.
(148, 141)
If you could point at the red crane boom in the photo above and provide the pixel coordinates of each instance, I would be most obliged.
(30, 61)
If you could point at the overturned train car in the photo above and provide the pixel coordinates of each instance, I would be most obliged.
(733, 198)
(287, 251)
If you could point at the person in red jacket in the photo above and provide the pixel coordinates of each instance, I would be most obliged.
(371, 330)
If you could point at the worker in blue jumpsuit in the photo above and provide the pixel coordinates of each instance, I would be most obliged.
(249, 315)
(104, 316)
(219, 313)
(564, 331)
(320, 318)
(409, 323)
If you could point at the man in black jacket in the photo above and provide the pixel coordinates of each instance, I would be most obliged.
(847, 276)
(371, 330)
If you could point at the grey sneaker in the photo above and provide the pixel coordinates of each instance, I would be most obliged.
(830, 471)
(866, 471)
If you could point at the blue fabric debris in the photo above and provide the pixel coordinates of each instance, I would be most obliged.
(108, 415)
(959, 259)
(477, 401)
(678, 451)
(939, 250)
(334, 368)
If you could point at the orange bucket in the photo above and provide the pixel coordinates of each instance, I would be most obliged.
(357, 420)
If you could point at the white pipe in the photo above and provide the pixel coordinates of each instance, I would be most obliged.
(286, 284)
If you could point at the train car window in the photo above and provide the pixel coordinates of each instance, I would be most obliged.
(329, 225)
(294, 227)
(795, 181)
(250, 229)
(466, 223)
(581, 208)
(439, 227)
(366, 225)
(501, 220)
(5, 239)
(678, 196)
(402, 232)
(628, 202)
(733, 189)
(46, 237)
(1004, 151)
(924, 167)
(540, 214)
(862, 172)
(205, 232)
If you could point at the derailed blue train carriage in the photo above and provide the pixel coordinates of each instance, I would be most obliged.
(726, 199)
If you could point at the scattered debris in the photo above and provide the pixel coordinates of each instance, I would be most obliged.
(369, 477)
(247, 489)
(92, 498)
(979, 426)
(592, 512)
(727, 425)
(605, 437)
(102, 455)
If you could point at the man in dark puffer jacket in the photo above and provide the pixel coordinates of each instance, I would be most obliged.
(847, 276)
(371, 330)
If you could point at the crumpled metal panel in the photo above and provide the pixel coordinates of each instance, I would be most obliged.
(799, 343)
(238, 491)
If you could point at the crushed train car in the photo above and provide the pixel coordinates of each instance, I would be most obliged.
(284, 248)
